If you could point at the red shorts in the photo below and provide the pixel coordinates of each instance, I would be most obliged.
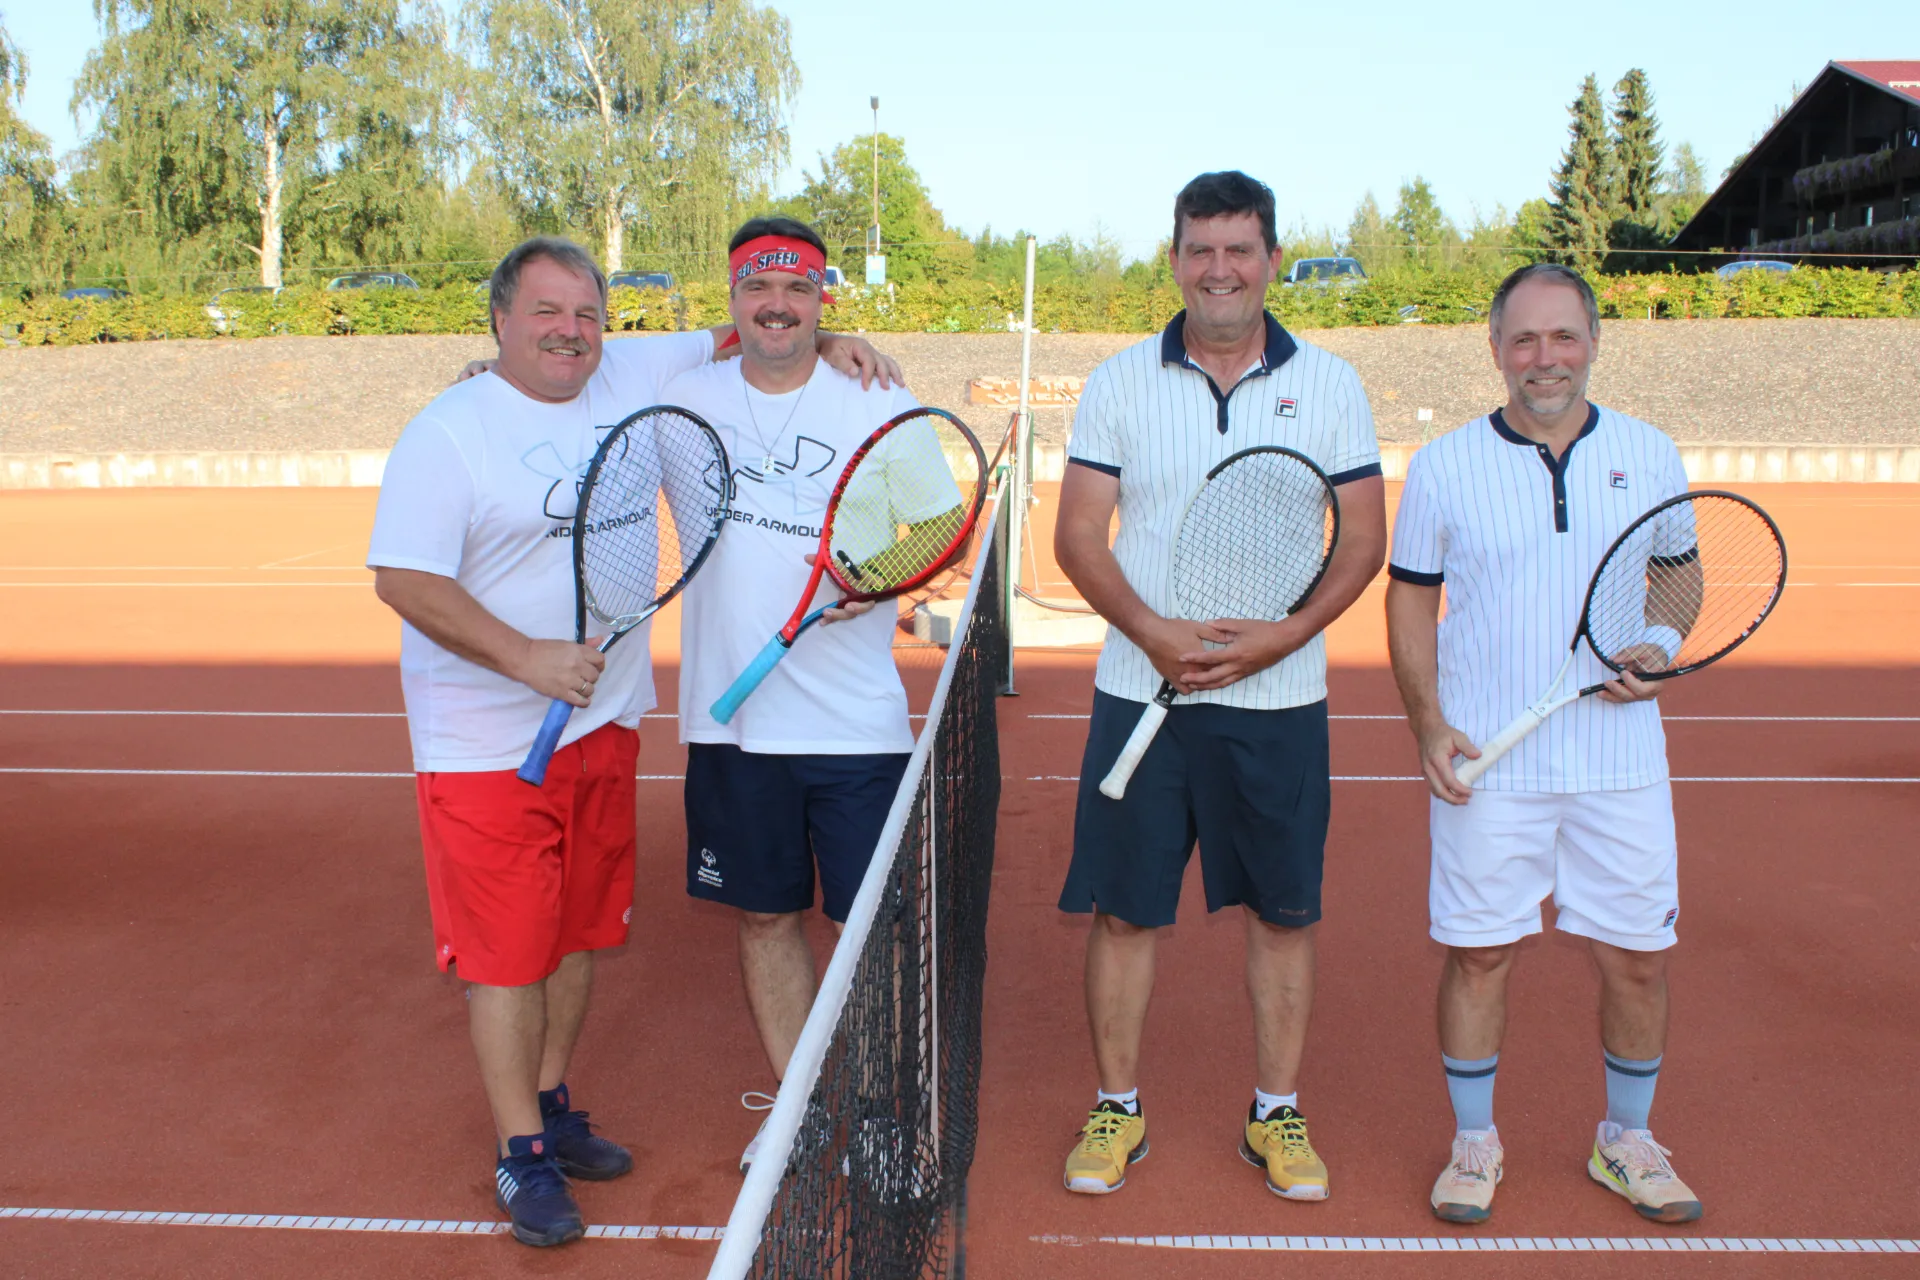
(519, 877)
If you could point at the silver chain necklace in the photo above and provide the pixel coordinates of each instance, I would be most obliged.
(759, 437)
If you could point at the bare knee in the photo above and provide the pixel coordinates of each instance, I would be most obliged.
(1621, 968)
(759, 926)
(1114, 929)
(1481, 964)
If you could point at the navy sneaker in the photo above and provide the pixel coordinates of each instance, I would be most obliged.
(533, 1192)
(578, 1151)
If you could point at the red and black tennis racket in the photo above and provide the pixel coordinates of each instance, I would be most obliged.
(903, 508)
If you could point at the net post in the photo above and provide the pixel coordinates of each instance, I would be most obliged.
(999, 549)
(1022, 486)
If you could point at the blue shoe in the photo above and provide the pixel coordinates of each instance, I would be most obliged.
(576, 1149)
(533, 1192)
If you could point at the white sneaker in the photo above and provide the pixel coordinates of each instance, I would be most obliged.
(1629, 1163)
(755, 1102)
(1464, 1192)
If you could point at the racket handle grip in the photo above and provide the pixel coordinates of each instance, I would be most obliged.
(1471, 771)
(1114, 785)
(546, 742)
(747, 681)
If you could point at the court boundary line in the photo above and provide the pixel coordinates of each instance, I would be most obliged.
(1864, 1246)
(318, 1222)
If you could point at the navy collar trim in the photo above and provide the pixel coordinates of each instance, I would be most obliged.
(1280, 346)
(1507, 433)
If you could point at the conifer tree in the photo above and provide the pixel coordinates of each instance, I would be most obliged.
(1583, 189)
(1636, 147)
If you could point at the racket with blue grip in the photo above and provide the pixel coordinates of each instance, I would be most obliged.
(902, 509)
(652, 505)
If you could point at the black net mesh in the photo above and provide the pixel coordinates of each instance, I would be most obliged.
(905, 504)
(875, 1186)
(654, 501)
(1255, 539)
(1685, 584)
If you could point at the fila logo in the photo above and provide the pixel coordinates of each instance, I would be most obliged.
(1618, 479)
(1286, 409)
(1671, 917)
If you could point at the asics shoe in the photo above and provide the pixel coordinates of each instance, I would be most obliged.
(1464, 1192)
(1629, 1163)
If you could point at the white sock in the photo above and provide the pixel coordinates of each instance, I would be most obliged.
(1264, 1104)
(1130, 1099)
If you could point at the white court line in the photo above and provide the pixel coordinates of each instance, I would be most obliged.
(1665, 719)
(1500, 1244)
(303, 1222)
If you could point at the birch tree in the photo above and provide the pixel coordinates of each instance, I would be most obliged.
(655, 116)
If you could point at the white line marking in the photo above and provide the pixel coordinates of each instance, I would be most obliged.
(1666, 719)
(308, 555)
(301, 1222)
(1498, 1244)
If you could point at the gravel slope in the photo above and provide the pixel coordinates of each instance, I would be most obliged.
(1774, 381)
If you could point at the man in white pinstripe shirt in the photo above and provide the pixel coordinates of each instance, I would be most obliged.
(1513, 513)
(1241, 762)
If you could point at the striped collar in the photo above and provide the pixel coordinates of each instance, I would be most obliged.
(1280, 346)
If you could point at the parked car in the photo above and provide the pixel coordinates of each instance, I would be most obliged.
(640, 280)
(836, 278)
(373, 280)
(93, 294)
(1732, 269)
(221, 317)
(1325, 273)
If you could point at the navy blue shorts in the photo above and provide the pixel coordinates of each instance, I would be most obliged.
(758, 823)
(1251, 786)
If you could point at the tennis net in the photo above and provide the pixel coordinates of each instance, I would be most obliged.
(862, 1171)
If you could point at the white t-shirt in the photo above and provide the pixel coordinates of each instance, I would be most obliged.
(481, 487)
(1515, 536)
(1153, 418)
(838, 692)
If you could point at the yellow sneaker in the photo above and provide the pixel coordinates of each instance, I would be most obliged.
(1112, 1139)
(1629, 1163)
(1279, 1144)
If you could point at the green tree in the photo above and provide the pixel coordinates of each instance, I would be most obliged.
(1532, 237)
(660, 117)
(1583, 188)
(837, 201)
(1370, 239)
(1637, 149)
(1419, 224)
(217, 117)
(1683, 189)
(29, 200)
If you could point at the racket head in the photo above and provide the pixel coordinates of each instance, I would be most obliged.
(652, 506)
(1256, 538)
(905, 503)
(1703, 568)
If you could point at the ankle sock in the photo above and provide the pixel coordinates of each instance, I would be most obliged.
(1265, 1104)
(1130, 1099)
(554, 1101)
(1470, 1087)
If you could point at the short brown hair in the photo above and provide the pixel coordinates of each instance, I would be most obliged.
(505, 284)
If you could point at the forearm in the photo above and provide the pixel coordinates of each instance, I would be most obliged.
(443, 611)
(1413, 617)
(1090, 566)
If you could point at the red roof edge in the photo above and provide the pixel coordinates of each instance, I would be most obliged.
(1901, 77)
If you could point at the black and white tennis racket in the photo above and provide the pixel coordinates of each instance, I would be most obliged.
(1681, 588)
(901, 511)
(652, 505)
(1254, 543)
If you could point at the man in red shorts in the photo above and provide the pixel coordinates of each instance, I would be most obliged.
(471, 548)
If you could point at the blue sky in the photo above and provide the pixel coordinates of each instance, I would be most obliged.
(1072, 116)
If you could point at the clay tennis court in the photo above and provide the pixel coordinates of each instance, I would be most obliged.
(219, 996)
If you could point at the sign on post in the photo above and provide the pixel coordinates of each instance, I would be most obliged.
(876, 268)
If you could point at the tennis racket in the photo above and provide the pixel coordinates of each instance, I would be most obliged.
(1681, 588)
(1254, 542)
(652, 505)
(903, 506)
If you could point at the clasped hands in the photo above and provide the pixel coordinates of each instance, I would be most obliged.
(1196, 656)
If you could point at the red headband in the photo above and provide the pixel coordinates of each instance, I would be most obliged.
(780, 253)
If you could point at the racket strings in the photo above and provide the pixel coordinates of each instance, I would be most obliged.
(904, 506)
(1686, 585)
(1254, 541)
(654, 505)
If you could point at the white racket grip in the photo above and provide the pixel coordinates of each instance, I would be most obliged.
(1114, 785)
(1470, 771)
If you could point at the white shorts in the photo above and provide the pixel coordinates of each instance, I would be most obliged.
(1607, 857)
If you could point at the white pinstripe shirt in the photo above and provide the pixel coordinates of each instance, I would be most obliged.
(1155, 419)
(1516, 537)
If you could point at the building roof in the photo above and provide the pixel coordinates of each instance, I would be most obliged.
(1901, 77)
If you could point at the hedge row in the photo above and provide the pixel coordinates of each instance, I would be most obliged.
(1073, 306)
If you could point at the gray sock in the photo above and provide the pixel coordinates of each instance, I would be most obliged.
(1470, 1085)
(1630, 1087)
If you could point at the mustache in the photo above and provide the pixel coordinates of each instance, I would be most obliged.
(563, 344)
(777, 317)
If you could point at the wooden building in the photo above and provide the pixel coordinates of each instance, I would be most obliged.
(1838, 176)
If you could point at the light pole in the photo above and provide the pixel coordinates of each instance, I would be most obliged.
(876, 175)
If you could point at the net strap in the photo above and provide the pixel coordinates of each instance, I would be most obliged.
(744, 1226)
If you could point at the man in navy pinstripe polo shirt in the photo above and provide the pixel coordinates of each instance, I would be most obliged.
(1241, 762)
(1513, 513)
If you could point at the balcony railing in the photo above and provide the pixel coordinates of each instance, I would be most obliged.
(1834, 177)
(1897, 237)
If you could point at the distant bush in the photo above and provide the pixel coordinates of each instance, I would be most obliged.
(1074, 305)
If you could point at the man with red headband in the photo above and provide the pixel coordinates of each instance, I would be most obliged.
(797, 785)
